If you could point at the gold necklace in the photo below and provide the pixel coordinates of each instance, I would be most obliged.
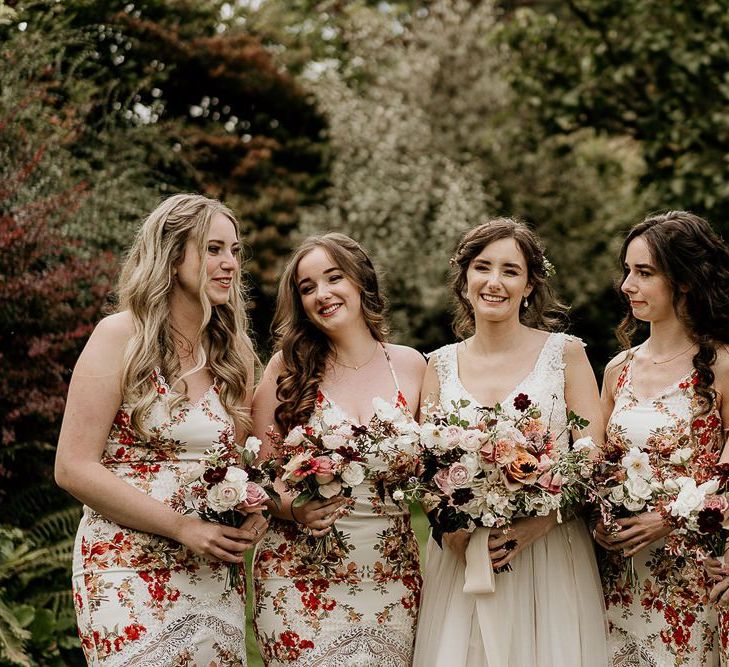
(357, 367)
(675, 356)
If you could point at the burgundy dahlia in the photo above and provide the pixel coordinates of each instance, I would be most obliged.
(522, 402)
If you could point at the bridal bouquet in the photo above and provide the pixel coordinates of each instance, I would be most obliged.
(500, 467)
(331, 456)
(226, 491)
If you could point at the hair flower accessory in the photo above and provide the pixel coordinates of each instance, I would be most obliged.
(548, 267)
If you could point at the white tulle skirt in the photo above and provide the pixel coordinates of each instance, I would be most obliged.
(547, 612)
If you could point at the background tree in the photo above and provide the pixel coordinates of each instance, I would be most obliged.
(654, 71)
(429, 135)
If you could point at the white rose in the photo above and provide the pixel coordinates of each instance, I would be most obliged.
(295, 436)
(472, 440)
(511, 434)
(671, 486)
(633, 505)
(689, 498)
(638, 488)
(681, 456)
(333, 441)
(353, 474)
(472, 463)
(617, 494)
(584, 443)
(398, 495)
(193, 473)
(230, 492)
(252, 445)
(330, 490)
(710, 487)
(637, 463)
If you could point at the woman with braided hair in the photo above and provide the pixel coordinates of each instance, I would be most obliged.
(659, 396)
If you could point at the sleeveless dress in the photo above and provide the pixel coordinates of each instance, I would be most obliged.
(365, 612)
(142, 599)
(665, 618)
(546, 612)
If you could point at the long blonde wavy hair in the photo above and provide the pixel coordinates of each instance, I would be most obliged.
(145, 284)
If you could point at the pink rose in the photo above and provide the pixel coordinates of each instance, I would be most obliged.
(550, 482)
(442, 482)
(323, 469)
(716, 503)
(255, 498)
(487, 452)
(504, 451)
(459, 476)
(453, 436)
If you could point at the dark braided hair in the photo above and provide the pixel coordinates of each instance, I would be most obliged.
(695, 261)
(304, 348)
(544, 312)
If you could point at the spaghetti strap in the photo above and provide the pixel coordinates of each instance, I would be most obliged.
(392, 368)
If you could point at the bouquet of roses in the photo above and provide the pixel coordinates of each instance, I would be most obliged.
(225, 491)
(331, 456)
(500, 467)
(684, 486)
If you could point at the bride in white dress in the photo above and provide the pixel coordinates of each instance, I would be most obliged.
(548, 610)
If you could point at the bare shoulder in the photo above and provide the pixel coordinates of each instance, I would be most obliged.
(119, 326)
(574, 349)
(103, 353)
(614, 367)
(275, 366)
(619, 360)
(406, 357)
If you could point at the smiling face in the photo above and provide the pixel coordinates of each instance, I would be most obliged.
(497, 281)
(647, 289)
(330, 299)
(221, 262)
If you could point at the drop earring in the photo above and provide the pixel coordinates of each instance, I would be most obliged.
(526, 303)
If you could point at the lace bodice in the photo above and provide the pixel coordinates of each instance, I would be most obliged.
(544, 385)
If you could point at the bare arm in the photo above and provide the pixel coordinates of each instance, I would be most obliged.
(580, 390)
(430, 391)
(94, 398)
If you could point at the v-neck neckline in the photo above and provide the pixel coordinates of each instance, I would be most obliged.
(518, 385)
(663, 393)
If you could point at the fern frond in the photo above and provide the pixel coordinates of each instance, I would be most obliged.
(59, 602)
(12, 638)
(43, 559)
(56, 526)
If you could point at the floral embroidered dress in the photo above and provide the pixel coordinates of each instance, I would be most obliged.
(665, 618)
(548, 610)
(142, 599)
(362, 613)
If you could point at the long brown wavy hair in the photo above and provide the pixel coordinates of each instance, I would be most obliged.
(304, 348)
(695, 262)
(544, 311)
(145, 284)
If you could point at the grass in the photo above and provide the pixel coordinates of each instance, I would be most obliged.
(420, 526)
